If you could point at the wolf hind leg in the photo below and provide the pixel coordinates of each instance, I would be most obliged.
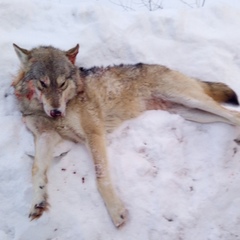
(232, 117)
(201, 101)
(197, 115)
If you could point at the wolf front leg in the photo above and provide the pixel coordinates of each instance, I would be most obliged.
(45, 141)
(115, 207)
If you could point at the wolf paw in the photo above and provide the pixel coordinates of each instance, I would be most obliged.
(38, 209)
(119, 217)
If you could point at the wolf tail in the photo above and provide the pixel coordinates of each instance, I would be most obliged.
(220, 92)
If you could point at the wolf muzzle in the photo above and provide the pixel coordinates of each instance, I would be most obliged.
(55, 113)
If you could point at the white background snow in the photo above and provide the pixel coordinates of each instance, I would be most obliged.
(179, 180)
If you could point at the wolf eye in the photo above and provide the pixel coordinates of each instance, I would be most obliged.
(63, 85)
(43, 84)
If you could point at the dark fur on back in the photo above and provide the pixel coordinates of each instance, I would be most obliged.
(94, 70)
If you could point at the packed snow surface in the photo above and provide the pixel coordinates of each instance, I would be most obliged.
(179, 180)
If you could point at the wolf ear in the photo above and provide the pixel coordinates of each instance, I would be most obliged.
(72, 54)
(22, 54)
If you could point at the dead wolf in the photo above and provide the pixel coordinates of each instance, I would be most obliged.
(59, 100)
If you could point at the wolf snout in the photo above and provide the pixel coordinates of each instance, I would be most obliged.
(56, 113)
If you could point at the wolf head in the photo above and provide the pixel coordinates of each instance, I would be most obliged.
(53, 75)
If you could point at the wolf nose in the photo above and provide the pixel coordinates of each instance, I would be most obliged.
(55, 113)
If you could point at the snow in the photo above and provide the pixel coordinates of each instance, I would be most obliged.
(178, 179)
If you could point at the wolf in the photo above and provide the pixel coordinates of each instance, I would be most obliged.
(59, 101)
